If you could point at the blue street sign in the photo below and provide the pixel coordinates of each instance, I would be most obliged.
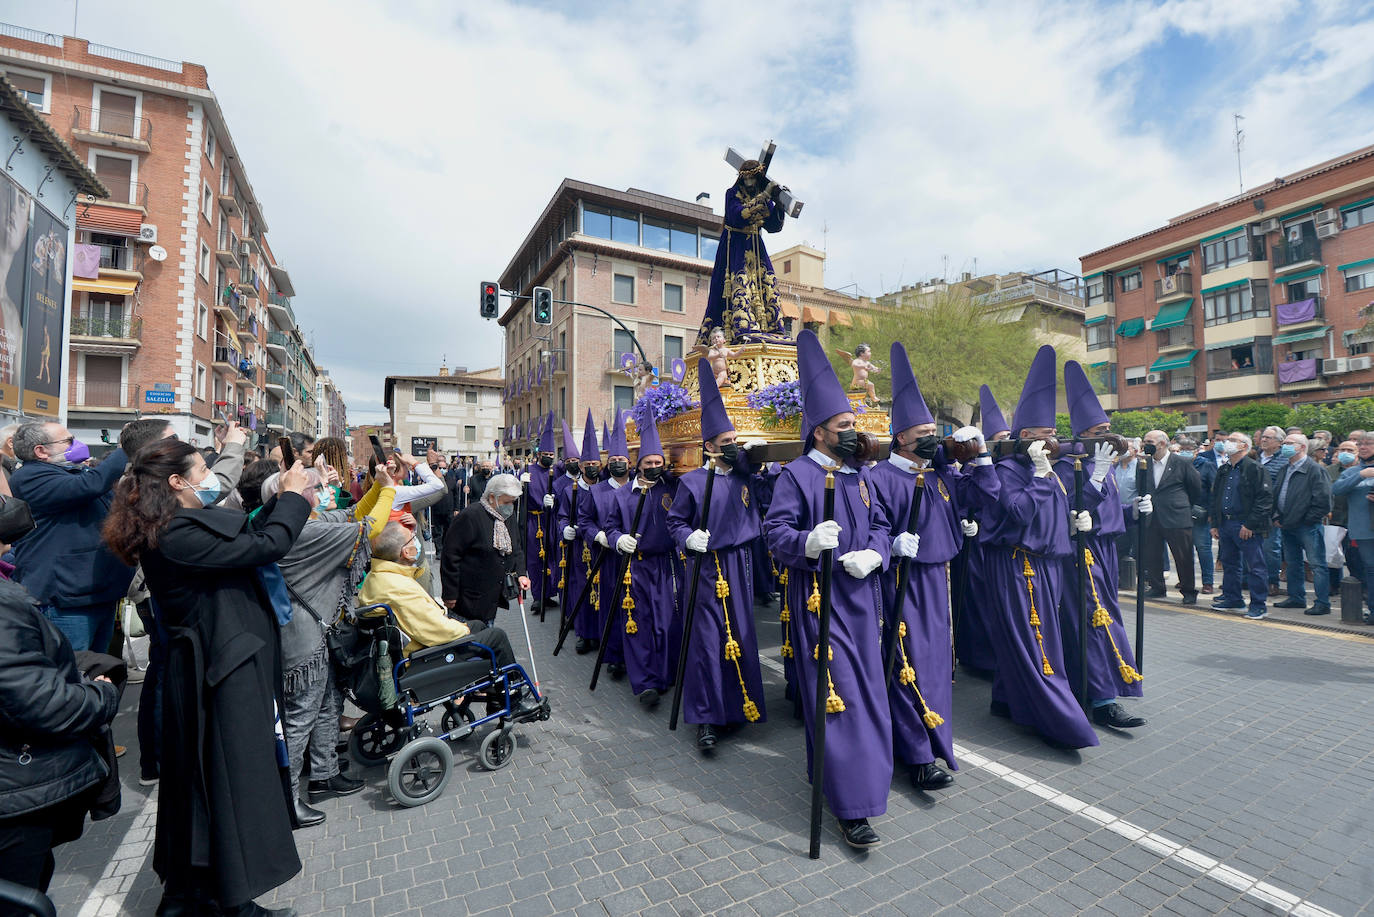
(159, 397)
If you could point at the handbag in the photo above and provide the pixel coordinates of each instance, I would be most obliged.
(16, 520)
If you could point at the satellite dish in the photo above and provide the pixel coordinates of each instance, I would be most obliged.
(157, 253)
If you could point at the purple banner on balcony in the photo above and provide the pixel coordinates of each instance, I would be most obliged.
(1290, 313)
(1297, 371)
(86, 261)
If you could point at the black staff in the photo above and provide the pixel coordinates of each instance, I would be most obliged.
(690, 613)
(903, 566)
(822, 673)
(1141, 470)
(965, 550)
(548, 542)
(612, 613)
(1080, 567)
(566, 576)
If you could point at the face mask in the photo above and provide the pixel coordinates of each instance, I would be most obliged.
(413, 543)
(1345, 458)
(570, 467)
(926, 446)
(1228, 448)
(652, 474)
(208, 489)
(1185, 454)
(729, 453)
(1220, 448)
(77, 452)
(848, 443)
(1288, 450)
(591, 472)
(619, 469)
(505, 509)
(546, 461)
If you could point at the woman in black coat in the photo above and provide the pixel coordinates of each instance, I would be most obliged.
(49, 716)
(477, 557)
(224, 820)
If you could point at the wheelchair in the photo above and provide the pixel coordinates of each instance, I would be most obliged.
(394, 695)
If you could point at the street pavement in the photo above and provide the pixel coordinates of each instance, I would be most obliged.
(1249, 792)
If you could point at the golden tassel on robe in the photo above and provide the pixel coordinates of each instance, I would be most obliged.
(628, 603)
(1029, 572)
(1103, 619)
(813, 601)
(833, 703)
(732, 647)
(907, 676)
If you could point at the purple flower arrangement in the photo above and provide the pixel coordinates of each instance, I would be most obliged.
(661, 402)
(778, 403)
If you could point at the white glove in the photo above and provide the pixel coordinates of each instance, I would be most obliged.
(970, 528)
(569, 533)
(1144, 505)
(964, 434)
(601, 539)
(626, 544)
(906, 544)
(698, 540)
(859, 564)
(1039, 457)
(548, 501)
(1081, 522)
(824, 537)
(525, 478)
(1104, 457)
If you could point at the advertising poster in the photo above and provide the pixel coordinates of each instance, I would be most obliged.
(14, 228)
(46, 297)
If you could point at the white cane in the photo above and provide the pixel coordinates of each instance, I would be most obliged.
(529, 647)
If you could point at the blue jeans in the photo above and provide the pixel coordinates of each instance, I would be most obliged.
(1306, 539)
(1273, 557)
(1366, 552)
(86, 627)
(1202, 543)
(1233, 549)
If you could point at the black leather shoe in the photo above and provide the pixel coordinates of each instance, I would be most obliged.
(1221, 605)
(1156, 593)
(583, 646)
(551, 602)
(930, 777)
(1190, 598)
(338, 785)
(1000, 708)
(615, 670)
(706, 738)
(1115, 715)
(649, 698)
(305, 817)
(1318, 610)
(1290, 603)
(858, 833)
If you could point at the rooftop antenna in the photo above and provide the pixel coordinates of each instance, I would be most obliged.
(1239, 144)
(825, 235)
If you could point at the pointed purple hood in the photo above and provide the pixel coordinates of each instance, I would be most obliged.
(590, 452)
(822, 395)
(570, 450)
(615, 444)
(714, 420)
(990, 414)
(546, 437)
(1084, 409)
(648, 441)
(1036, 407)
(908, 406)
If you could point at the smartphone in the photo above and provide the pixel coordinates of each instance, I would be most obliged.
(288, 455)
(377, 449)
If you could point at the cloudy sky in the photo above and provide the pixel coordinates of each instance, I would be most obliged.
(402, 150)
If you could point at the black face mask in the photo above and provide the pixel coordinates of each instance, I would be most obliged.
(619, 469)
(591, 472)
(570, 467)
(926, 446)
(652, 474)
(546, 461)
(848, 443)
(730, 453)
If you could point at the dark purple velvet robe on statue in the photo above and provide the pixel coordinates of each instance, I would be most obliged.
(537, 520)
(1029, 527)
(655, 577)
(589, 523)
(1108, 647)
(713, 687)
(858, 745)
(743, 298)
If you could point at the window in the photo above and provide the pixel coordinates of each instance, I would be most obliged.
(1098, 290)
(1103, 378)
(787, 266)
(207, 201)
(1250, 300)
(625, 227)
(1361, 279)
(469, 434)
(210, 144)
(1131, 281)
(672, 348)
(421, 393)
(1303, 289)
(672, 297)
(563, 289)
(36, 88)
(117, 113)
(1358, 216)
(1135, 375)
(200, 381)
(470, 397)
(1182, 382)
(1230, 249)
(657, 234)
(622, 343)
(1100, 335)
(119, 174)
(623, 289)
(205, 261)
(202, 320)
(596, 221)
(624, 396)
(684, 241)
(709, 244)
(1246, 359)
(221, 281)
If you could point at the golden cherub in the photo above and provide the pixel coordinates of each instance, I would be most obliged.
(863, 368)
(717, 354)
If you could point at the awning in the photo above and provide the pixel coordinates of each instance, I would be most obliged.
(840, 317)
(1095, 320)
(789, 309)
(1172, 315)
(1303, 275)
(1164, 364)
(110, 285)
(1130, 327)
(1097, 365)
(813, 314)
(1220, 235)
(1177, 256)
(1356, 205)
(1306, 335)
(1346, 267)
(122, 220)
(1225, 286)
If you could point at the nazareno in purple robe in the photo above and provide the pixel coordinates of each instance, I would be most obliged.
(579, 553)
(1025, 536)
(720, 684)
(650, 626)
(1111, 662)
(537, 519)
(858, 748)
(558, 570)
(743, 297)
(603, 576)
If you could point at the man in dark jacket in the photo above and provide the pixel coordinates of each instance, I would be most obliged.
(63, 562)
(441, 511)
(1301, 501)
(1344, 456)
(1175, 488)
(49, 713)
(1242, 505)
(1205, 461)
(477, 556)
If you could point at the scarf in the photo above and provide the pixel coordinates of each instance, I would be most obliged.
(500, 535)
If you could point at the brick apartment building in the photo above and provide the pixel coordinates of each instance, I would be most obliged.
(1263, 296)
(188, 307)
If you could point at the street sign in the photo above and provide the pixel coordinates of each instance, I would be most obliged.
(159, 397)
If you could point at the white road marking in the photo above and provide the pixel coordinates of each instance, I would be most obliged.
(107, 895)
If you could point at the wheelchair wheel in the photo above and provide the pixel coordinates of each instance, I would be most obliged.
(374, 740)
(497, 750)
(456, 717)
(420, 771)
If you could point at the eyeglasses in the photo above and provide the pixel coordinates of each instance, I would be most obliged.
(68, 440)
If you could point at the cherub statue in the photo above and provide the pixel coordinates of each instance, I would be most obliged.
(717, 354)
(645, 377)
(863, 368)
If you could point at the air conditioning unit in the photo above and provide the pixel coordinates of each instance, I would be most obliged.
(245, 250)
(147, 232)
(1154, 377)
(1338, 365)
(1359, 363)
(1327, 230)
(1149, 323)
(1329, 215)
(1267, 226)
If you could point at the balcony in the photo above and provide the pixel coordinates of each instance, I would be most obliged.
(109, 397)
(109, 128)
(226, 360)
(227, 251)
(1295, 316)
(247, 284)
(1291, 256)
(280, 308)
(1298, 375)
(1175, 286)
(248, 326)
(278, 344)
(129, 193)
(120, 260)
(1240, 383)
(229, 204)
(1180, 395)
(276, 382)
(1180, 337)
(277, 419)
(106, 335)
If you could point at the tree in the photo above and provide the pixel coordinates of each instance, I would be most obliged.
(1313, 417)
(953, 347)
(1138, 423)
(1252, 416)
(1063, 426)
(1357, 414)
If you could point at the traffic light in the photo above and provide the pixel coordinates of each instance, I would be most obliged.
(543, 306)
(491, 296)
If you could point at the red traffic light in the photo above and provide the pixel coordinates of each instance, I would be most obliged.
(489, 289)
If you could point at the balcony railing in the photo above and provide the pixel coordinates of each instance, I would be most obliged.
(105, 394)
(1177, 336)
(1215, 374)
(1174, 285)
(1287, 254)
(128, 192)
(276, 418)
(1102, 344)
(277, 379)
(118, 257)
(91, 326)
(112, 122)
